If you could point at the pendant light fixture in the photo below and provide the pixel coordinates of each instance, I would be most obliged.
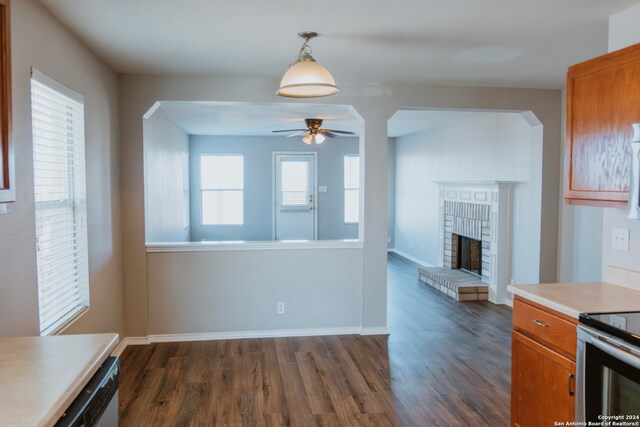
(305, 78)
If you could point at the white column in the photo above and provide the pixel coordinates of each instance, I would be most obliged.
(373, 222)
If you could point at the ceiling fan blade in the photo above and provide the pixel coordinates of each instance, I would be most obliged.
(329, 134)
(297, 134)
(343, 132)
(290, 130)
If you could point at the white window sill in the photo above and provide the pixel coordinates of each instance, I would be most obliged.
(68, 320)
(252, 246)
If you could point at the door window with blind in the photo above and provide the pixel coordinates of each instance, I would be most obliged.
(60, 202)
(295, 184)
(222, 189)
(351, 189)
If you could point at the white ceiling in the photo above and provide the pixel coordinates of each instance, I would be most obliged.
(405, 122)
(518, 43)
(249, 119)
(227, 118)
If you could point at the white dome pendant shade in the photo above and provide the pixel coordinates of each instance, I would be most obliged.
(305, 78)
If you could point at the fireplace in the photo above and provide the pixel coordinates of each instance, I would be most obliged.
(468, 254)
(475, 236)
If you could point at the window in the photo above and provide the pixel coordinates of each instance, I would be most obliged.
(185, 190)
(294, 179)
(60, 199)
(222, 188)
(351, 189)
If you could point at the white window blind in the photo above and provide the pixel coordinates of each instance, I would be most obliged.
(351, 189)
(294, 179)
(222, 189)
(60, 199)
(185, 190)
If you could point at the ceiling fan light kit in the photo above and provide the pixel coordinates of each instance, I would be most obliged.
(313, 139)
(315, 134)
(305, 78)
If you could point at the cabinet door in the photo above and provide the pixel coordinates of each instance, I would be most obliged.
(542, 385)
(603, 101)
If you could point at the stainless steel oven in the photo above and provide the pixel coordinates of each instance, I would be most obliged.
(608, 368)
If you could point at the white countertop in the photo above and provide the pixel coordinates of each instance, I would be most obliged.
(575, 298)
(41, 376)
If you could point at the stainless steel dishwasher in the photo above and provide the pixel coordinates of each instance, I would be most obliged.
(97, 403)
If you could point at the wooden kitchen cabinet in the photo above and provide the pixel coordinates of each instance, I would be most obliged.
(603, 101)
(543, 366)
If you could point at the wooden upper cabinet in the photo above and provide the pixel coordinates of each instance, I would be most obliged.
(603, 101)
(7, 173)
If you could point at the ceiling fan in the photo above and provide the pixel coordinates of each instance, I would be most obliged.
(315, 134)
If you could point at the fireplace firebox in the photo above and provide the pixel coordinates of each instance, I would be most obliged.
(468, 254)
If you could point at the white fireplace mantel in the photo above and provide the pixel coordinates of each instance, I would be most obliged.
(492, 223)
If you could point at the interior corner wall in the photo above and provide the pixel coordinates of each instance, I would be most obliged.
(39, 40)
(500, 150)
(258, 182)
(165, 145)
(391, 191)
(623, 31)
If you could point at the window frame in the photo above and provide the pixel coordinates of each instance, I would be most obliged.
(345, 189)
(203, 190)
(76, 200)
(186, 191)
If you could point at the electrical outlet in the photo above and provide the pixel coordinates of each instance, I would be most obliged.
(388, 239)
(421, 248)
(620, 239)
(618, 321)
(280, 308)
(410, 245)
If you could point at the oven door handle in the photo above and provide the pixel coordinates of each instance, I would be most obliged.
(616, 349)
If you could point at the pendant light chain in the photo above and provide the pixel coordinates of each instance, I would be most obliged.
(305, 52)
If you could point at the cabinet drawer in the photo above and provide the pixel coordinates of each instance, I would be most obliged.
(545, 326)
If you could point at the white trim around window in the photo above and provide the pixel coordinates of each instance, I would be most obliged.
(57, 123)
(221, 189)
(351, 197)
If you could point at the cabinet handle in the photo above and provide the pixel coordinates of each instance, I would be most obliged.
(539, 323)
(571, 390)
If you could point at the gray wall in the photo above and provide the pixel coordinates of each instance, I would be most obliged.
(502, 149)
(164, 147)
(258, 164)
(391, 191)
(38, 40)
(218, 293)
(375, 106)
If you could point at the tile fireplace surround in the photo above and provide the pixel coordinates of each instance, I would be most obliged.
(480, 211)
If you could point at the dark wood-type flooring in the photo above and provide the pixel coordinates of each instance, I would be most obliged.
(445, 364)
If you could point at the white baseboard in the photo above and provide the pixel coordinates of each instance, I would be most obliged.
(409, 257)
(375, 331)
(278, 333)
(124, 342)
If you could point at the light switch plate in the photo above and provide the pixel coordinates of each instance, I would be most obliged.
(620, 239)
(322, 189)
(3, 208)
